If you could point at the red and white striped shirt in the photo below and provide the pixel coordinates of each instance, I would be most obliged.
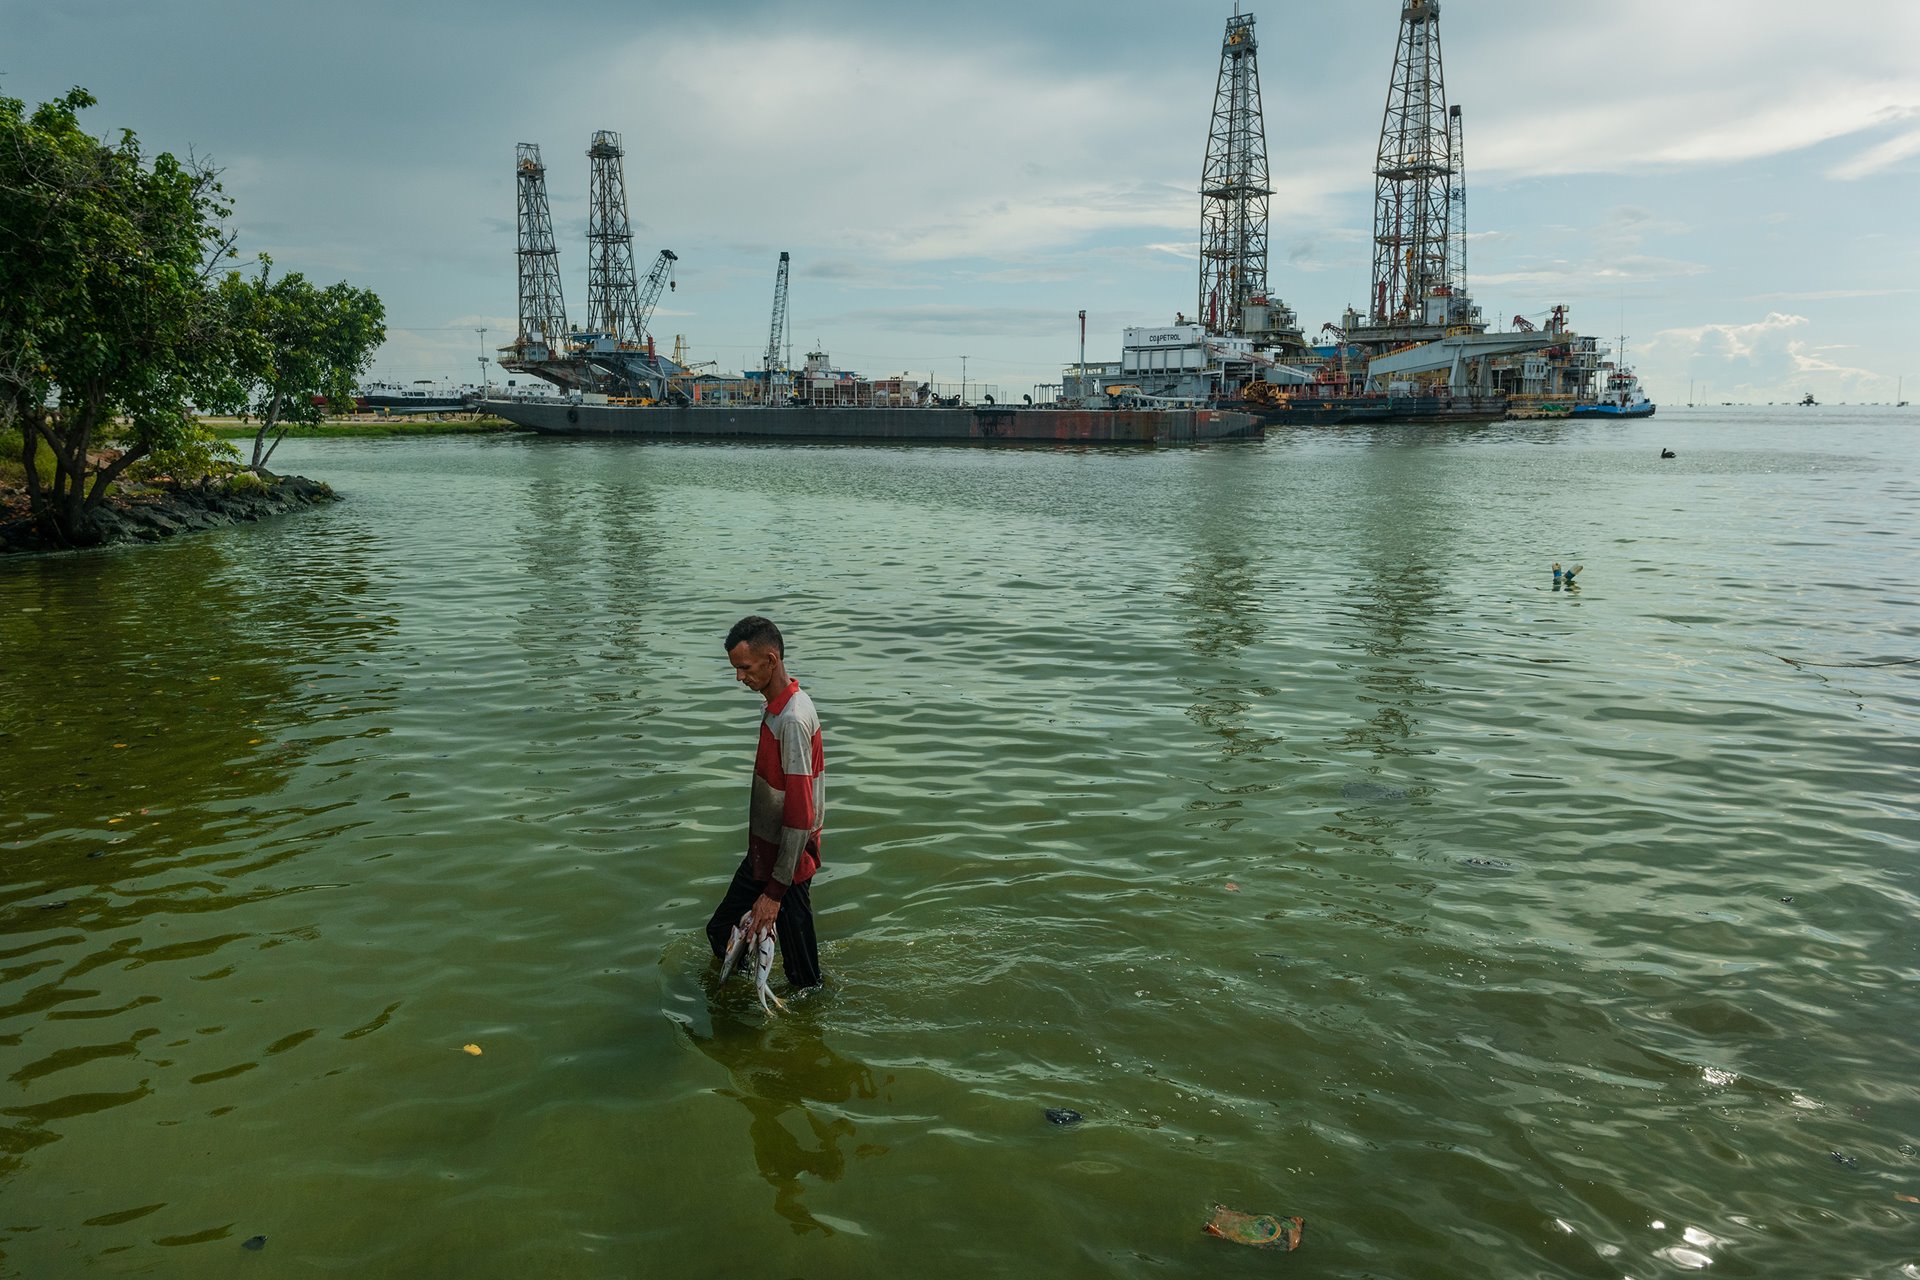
(789, 801)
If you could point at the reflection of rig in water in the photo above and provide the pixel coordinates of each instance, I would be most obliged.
(1421, 350)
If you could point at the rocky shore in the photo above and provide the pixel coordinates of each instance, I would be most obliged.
(148, 513)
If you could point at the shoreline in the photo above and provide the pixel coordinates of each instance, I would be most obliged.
(369, 427)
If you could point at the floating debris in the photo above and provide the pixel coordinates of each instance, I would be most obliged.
(1486, 864)
(473, 1049)
(1260, 1230)
(254, 1243)
(1904, 1198)
(1063, 1115)
(1844, 1160)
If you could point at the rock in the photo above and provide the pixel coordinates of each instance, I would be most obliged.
(148, 514)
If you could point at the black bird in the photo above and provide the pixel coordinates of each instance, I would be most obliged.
(1668, 453)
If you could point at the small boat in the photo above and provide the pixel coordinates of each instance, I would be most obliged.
(1623, 398)
(1809, 402)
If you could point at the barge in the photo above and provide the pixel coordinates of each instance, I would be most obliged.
(967, 424)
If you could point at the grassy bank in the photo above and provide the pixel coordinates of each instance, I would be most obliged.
(368, 428)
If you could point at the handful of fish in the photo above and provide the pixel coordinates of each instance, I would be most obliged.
(739, 943)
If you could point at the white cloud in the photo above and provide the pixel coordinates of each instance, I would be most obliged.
(1878, 159)
(1771, 359)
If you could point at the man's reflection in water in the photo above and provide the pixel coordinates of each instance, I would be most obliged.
(783, 1068)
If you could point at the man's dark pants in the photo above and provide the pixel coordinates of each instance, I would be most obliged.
(792, 928)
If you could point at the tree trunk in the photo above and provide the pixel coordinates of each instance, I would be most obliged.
(267, 420)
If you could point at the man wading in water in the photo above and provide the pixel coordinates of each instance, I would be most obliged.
(785, 812)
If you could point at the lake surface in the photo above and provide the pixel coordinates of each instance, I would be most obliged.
(1263, 803)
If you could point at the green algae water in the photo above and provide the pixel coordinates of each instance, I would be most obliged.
(1262, 803)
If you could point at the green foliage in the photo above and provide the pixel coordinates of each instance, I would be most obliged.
(200, 454)
(105, 265)
(13, 461)
(297, 347)
(245, 482)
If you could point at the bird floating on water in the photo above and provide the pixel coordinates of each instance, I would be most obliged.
(1668, 453)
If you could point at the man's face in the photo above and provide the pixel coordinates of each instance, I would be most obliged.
(754, 667)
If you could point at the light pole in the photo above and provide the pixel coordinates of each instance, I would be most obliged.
(483, 361)
(1082, 388)
(963, 382)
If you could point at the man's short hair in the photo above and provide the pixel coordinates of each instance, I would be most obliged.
(758, 632)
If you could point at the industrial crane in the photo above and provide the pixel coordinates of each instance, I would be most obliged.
(661, 276)
(778, 327)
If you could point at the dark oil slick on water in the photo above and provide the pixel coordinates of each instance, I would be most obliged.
(1262, 805)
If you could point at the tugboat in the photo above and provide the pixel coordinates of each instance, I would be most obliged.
(1623, 398)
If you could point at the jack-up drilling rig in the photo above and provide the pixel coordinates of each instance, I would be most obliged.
(613, 353)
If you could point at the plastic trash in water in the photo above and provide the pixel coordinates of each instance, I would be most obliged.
(1260, 1230)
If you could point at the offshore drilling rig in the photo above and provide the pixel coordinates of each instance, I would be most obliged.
(1418, 351)
(613, 353)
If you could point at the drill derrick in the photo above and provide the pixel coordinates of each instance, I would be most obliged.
(613, 295)
(1413, 176)
(1233, 203)
(543, 312)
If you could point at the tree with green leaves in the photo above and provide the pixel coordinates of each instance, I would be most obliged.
(298, 350)
(108, 332)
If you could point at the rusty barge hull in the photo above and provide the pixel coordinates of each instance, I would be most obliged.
(979, 425)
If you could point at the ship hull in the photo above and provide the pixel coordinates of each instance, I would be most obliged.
(1612, 411)
(1304, 411)
(975, 425)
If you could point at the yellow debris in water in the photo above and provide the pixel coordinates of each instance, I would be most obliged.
(473, 1049)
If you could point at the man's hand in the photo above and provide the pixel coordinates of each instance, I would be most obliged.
(765, 912)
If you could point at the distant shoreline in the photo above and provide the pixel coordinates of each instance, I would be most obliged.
(368, 427)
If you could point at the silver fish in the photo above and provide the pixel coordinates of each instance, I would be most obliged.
(736, 946)
(763, 971)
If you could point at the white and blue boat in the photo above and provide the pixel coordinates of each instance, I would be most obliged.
(1622, 398)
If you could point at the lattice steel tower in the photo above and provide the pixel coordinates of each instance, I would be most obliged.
(613, 295)
(1457, 204)
(775, 366)
(543, 313)
(1413, 177)
(1233, 198)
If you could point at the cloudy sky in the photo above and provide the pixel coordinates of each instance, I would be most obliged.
(1731, 183)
